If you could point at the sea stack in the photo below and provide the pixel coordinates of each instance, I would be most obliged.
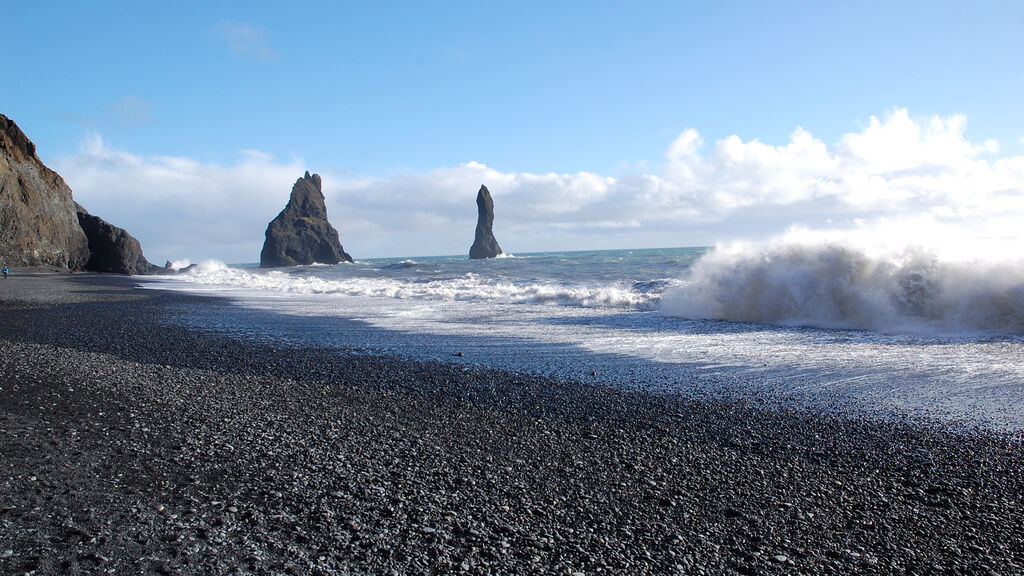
(484, 245)
(301, 233)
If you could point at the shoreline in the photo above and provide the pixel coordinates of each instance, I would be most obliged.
(135, 445)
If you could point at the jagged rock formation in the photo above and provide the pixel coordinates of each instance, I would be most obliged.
(111, 249)
(38, 225)
(484, 245)
(41, 225)
(301, 233)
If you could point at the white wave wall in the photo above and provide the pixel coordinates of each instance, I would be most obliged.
(832, 283)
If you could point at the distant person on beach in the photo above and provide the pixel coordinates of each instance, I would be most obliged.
(6, 271)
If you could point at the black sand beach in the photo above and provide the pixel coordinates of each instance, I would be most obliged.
(132, 445)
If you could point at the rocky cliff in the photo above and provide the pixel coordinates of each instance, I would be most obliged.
(41, 225)
(111, 249)
(484, 245)
(301, 233)
(38, 225)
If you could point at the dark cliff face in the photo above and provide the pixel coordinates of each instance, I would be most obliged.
(111, 249)
(38, 224)
(484, 245)
(301, 233)
(41, 225)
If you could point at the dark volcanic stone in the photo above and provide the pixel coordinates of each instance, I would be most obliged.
(38, 226)
(484, 245)
(301, 233)
(133, 444)
(111, 249)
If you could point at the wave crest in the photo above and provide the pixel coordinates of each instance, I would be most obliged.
(467, 287)
(834, 285)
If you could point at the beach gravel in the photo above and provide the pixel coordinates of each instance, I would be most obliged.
(131, 444)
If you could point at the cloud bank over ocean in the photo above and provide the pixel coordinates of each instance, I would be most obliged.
(897, 168)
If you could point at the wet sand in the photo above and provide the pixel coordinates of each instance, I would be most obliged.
(131, 444)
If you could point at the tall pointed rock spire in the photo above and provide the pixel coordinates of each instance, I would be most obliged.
(485, 245)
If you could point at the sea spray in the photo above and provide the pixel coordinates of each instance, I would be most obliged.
(827, 281)
(834, 284)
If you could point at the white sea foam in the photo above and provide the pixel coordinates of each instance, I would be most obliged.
(214, 275)
(179, 264)
(847, 283)
(573, 315)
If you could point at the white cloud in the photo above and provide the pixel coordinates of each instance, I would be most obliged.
(895, 167)
(246, 40)
(180, 207)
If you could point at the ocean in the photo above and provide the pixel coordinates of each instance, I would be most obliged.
(825, 326)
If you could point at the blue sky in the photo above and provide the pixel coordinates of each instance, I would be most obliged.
(206, 113)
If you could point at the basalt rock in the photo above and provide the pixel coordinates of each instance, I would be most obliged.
(484, 245)
(40, 223)
(301, 233)
(38, 226)
(111, 249)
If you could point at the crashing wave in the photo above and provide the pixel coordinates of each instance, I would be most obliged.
(832, 284)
